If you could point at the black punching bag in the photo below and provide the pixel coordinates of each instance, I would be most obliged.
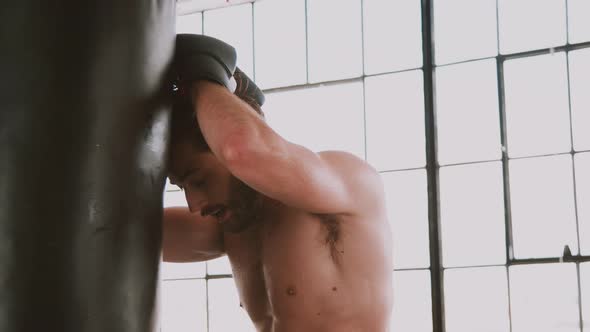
(84, 111)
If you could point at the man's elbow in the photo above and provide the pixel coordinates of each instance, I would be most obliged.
(240, 151)
(233, 151)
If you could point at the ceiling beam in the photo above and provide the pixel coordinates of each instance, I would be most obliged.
(185, 7)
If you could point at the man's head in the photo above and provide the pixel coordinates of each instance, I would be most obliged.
(210, 189)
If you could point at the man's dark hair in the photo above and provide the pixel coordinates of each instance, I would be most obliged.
(184, 124)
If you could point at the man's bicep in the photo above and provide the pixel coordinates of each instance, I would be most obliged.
(331, 182)
(188, 237)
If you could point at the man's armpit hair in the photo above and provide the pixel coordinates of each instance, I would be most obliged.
(333, 235)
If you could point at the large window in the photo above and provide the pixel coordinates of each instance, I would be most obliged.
(477, 115)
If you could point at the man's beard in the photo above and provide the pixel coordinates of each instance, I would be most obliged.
(244, 205)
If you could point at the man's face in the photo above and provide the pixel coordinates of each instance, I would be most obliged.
(210, 189)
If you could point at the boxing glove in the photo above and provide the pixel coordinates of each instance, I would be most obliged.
(199, 57)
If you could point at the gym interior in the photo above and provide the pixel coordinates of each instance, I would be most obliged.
(476, 115)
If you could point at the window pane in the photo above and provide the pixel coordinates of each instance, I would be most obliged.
(182, 270)
(392, 35)
(395, 121)
(412, 309)
(542, 198)
(579, 20)
(580, 98)
(476, 300)
(279, 34)
(225, 313)
(335, 50)
(585, 278)
(582, 161)
(170, 187)
(537, 111)
(468, 119)
(472, 215)
(174, 198)
(407, 207)
(544, 298)
(531, 24)
(192, 23)
(321, 118)
(184, 306)
(219, 266)
(233, 25)
(464, 29)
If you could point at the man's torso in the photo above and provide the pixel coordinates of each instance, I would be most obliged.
(297, 271)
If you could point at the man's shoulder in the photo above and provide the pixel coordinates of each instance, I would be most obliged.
(351, 167)
(346, 160)
(339, 154)
(360, 178)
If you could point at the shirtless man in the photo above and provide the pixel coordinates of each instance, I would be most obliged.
(306, 233)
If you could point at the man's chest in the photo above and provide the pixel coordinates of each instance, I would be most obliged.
(281, 264)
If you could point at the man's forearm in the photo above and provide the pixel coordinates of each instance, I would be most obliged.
(225, 119)
(188, 237)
